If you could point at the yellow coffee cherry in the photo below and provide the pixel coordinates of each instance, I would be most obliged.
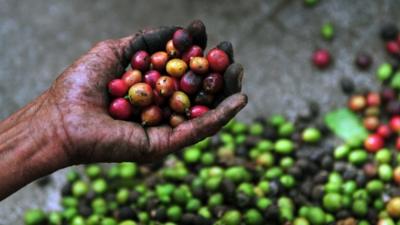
(176, 67)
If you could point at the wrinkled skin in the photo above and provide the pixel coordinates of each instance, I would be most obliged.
(69, 123)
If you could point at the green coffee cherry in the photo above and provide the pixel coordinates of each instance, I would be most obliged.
(349, 187)
(108, 221)
(311, 135)
(174, 213)
(384, 71)
(69, 201)
(99, 186)
(316, 216)
(72, 176)
(286, 129)
(99, 206)
(301, 221)
(122, 195)
(256, 129)
(276, 120)
(332, 202)
(385, 172)
(93, 171)
(193, 205)
(239, 128)
(341, 151)
(93, 220)
(253, 217)
(395, 82)
(207, 159)
(273, 172)
(383, 156)
(284, 146)
(287, 181)
(215, 200)
(128, 222)
(127, 170)
(231, 217)
(375, 187)
(55, 218)
(311, 2)
(34, 217)
(204, 212)
(192, 155)
(358, 157)
(360, 207)
(265, 146)
(327, 31)
(286, 162)
(263, 203)
(78, 220)
(79, 188)
(237, 174)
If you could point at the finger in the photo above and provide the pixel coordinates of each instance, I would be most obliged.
(233, 77)
(197, 30)
(197, 129)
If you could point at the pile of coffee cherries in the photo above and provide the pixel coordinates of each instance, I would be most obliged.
(170, 86)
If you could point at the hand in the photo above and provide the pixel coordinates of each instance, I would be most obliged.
(70, 124)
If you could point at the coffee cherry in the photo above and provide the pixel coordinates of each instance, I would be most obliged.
(159, 60)
(165, 86)
(176, 119)
(371, 122)
(199, 65)
(117, 88)
(373, 99)
(394, 124)
(141, 61)
(151, 115)
(171, 50)
(213, 83)
(182, 40)
(151, 78)
(179, 102)
(176, 67)
(157, 98)
(373, 143)
(384, 131)
(357, 102)
(193, 51)
(120, 108)
(218, 60)
(363, 61)
(321, 58)
(203, 98)
(132, 77)
(392, 47)
(190, 83)
(176, 83)
(141, 94)
(197, 111)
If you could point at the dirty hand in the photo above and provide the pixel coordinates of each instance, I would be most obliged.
(69, 123)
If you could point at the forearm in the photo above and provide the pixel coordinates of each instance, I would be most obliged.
(28, 148)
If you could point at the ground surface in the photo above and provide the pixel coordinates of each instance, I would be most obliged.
(273, 40)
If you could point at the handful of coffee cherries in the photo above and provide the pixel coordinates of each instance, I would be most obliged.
(177, 84)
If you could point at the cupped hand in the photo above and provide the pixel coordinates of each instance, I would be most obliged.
(78, 99)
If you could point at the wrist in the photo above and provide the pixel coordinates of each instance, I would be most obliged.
(30, 146)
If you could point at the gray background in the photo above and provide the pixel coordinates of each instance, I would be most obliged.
(273, 39)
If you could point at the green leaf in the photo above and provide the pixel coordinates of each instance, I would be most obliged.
(346, 125)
